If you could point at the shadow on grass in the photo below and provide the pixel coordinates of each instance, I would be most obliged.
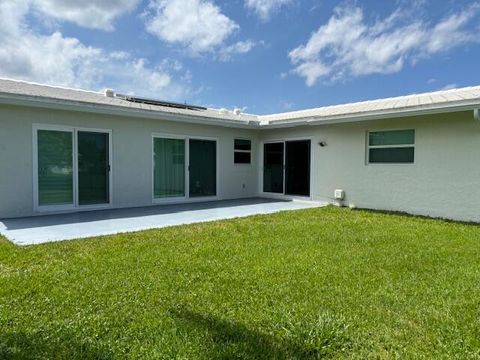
(415, 216)
(320, 339)
(21, 345)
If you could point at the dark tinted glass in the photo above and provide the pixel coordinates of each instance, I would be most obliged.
(241, 144)
(297, 168)
(203, 168)
(242, 157)
(93, 179)
(395, 137)
(273, 168)
(401, 155)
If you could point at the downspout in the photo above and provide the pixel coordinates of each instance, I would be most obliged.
(476, 114)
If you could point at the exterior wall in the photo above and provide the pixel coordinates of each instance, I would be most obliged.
(132, 156)
(444, 181)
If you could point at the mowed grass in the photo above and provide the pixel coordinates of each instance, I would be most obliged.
(319, 283)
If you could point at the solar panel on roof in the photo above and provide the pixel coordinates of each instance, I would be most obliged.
(160, 103)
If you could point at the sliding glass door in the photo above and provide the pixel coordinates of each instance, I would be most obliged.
(286, 167)
(169, 168)
(202, 168)
(72, 168)
(297, 168)
(93, 168)
(183, 168)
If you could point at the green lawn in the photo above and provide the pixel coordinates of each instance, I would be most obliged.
(329, 282)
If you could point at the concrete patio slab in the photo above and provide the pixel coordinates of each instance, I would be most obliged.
(49, 228)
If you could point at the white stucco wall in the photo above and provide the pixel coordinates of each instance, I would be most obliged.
(444, 181)
(132, 156)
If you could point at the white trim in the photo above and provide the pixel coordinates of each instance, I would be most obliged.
(368, 147)
(261, 167)
(75, 206)
(186, 198)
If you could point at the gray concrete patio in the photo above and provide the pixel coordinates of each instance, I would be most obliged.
(42, 229)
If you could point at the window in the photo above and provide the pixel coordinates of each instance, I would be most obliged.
(242, 151)
(391, 147)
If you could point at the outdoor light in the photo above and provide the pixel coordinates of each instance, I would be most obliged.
(322, 143)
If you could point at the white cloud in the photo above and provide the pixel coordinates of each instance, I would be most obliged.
(449, 87)
(265, 8)
(198, 25)
(347, 46)
(58, 60)
(238, 48)
(96, 14)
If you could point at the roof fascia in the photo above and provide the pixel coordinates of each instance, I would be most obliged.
(391, 114)
(68, 105)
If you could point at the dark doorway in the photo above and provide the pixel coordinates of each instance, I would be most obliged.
(297, 168)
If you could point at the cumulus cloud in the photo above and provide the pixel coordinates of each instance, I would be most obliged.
(265, 8)
(238, 48)
(93, 14)
(198, 25)
(65, 61)
(347, 46)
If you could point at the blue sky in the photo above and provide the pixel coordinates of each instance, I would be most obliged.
(264, 56)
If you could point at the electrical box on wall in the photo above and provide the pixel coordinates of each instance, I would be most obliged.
(339, 194)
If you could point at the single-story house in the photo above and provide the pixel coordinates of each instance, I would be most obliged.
(64, 150)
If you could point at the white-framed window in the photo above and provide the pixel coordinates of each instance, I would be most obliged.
(391, 147)
(242, 151)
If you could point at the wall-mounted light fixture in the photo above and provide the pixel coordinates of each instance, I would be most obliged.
(322, 143)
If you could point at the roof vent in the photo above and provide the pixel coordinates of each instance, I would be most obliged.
(237, 111)
(109, 93)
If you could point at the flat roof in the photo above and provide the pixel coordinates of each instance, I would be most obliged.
(32, 94)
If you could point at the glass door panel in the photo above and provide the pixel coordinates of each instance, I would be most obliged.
(169, 168)
(202, 168)
(55, 167)
(93, 168)
(273, 154)
(297, 168)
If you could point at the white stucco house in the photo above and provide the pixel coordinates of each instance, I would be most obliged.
(64, 150)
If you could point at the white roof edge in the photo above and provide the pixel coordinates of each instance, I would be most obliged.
(373, 115)
(117, 110)
(19, 92)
